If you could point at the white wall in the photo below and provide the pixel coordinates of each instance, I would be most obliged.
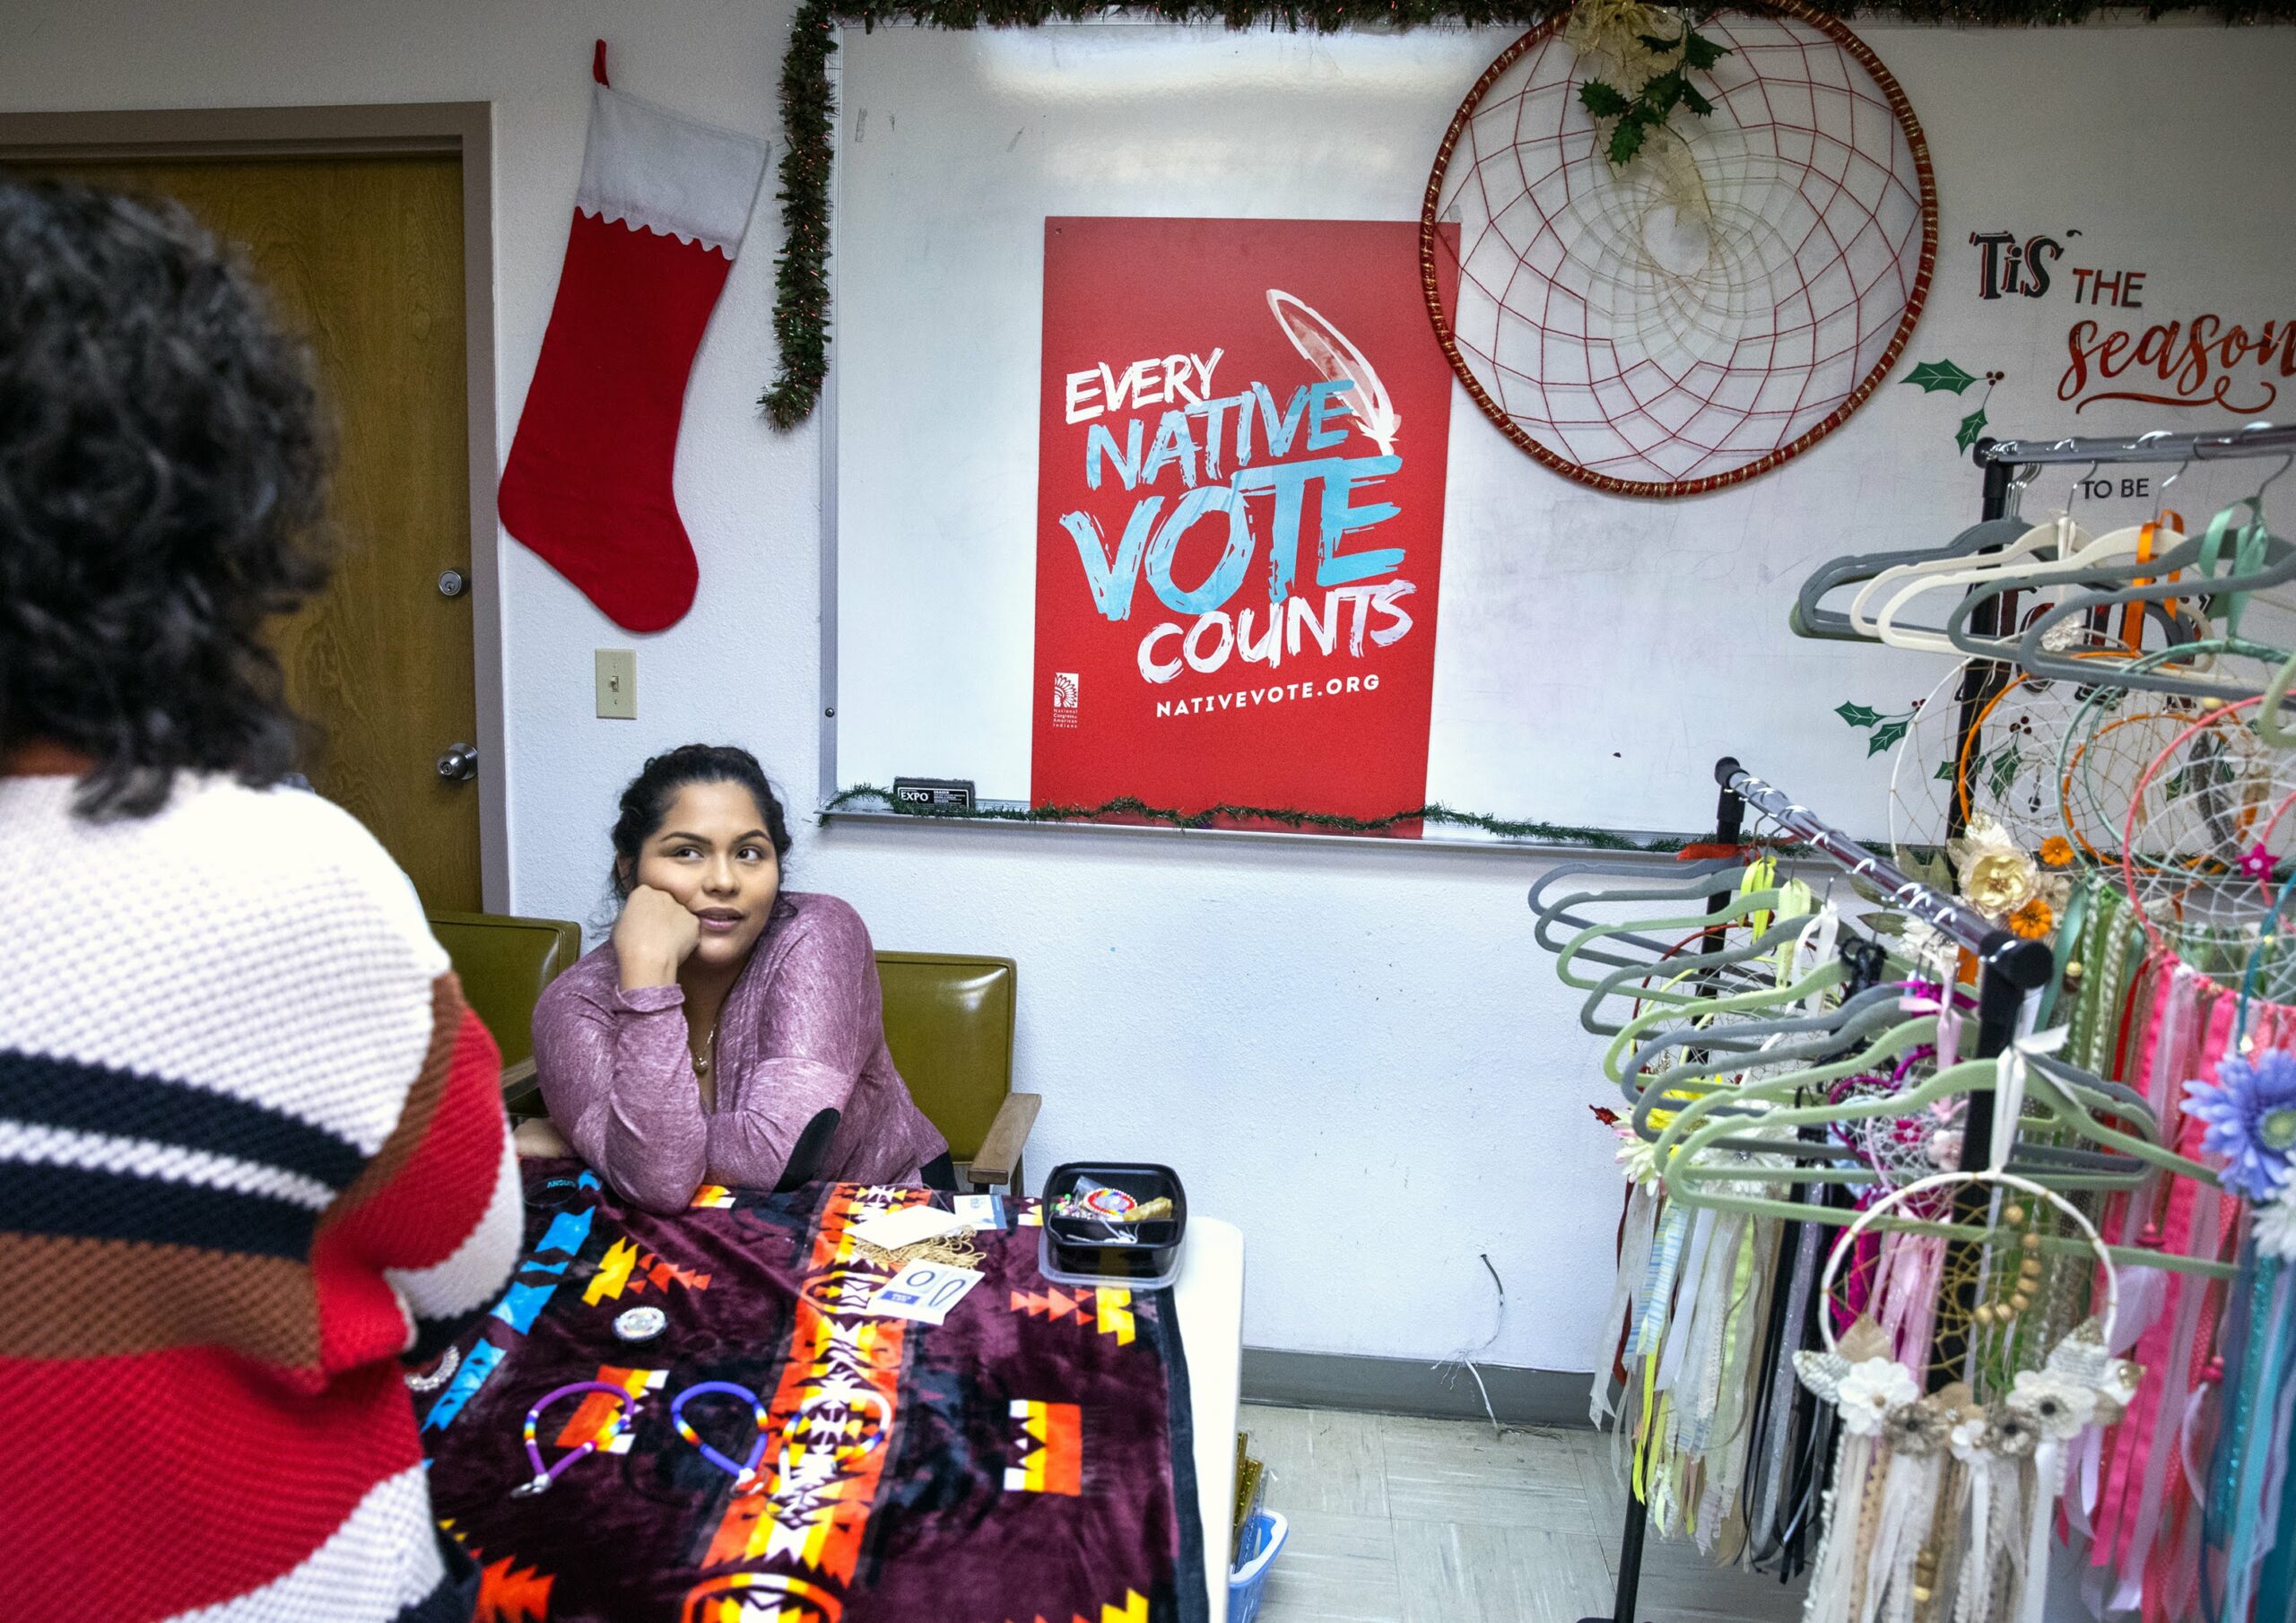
(1358, 1055)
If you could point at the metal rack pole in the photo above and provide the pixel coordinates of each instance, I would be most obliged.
(2026, 963)
(2255, 439)
(1982, 679)
(1729, 822)
(2008, 968)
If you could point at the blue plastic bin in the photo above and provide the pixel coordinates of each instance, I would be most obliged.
(1264, 1537)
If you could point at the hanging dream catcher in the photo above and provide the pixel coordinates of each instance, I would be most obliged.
(1985, 742)
(1721, 300)
(2209, 839)
(1942, 1503)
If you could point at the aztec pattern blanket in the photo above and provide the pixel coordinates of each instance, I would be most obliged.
(1029, 1458)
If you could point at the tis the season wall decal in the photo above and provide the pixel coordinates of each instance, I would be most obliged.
(808, 105)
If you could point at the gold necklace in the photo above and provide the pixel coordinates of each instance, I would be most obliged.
(709, 1055)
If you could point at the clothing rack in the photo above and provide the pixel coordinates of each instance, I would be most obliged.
(2254, 439)
(2008, 968)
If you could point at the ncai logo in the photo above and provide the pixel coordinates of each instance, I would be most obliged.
(1065, 687)
(2114, 352)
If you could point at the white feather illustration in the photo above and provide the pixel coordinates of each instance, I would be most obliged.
(1332, 353)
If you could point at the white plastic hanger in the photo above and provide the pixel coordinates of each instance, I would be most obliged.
(2031, 572)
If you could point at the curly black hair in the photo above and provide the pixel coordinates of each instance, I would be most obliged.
(646, 802)
(163, 466)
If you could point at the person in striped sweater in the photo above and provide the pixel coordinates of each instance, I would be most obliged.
(253, 1157)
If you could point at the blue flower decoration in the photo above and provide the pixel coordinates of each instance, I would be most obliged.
(2251, 1110)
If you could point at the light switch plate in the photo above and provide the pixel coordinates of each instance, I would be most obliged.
(617, 671)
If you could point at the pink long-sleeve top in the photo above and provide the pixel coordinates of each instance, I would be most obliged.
(802, 1030)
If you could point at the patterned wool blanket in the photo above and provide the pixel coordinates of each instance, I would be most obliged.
(1028, 1459)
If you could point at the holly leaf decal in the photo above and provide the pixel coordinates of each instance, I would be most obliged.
(1857, 715)
(1935, 374)
(1885, 736)
(1945, 772)
(1971, 427)
(1694, 102)
(2002, 774)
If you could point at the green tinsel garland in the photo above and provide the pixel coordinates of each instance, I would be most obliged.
(1328, 822)
(800, 282)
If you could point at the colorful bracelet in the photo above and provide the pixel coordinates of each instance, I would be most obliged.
(747, 1469)
(544, 1475)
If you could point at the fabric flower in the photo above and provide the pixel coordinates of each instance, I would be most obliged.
(1871, 1392)
(1917, 1428)
(2119, 1390)
(1636, 1157)
(2251, 1109)
(2014, 1433)
(2257, 863)
(2059, 1407)
(1998, 875)
(2033, 921)
(1968, 1437)
(1995, 874)
(2056, 852)
(2275, 1224)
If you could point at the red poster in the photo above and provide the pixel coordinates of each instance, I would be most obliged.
(1243, 433)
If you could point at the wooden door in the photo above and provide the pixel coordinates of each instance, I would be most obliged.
(364, 258)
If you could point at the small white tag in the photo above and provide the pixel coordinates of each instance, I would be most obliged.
(978, 1211)
(891, 1231)
(924, 1291)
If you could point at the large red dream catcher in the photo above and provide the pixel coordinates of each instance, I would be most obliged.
(1715, 306)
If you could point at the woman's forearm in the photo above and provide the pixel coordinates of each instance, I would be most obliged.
(637, 1118)
(656, 1138)
(752, 1133)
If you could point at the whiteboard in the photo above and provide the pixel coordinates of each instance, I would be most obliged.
(1594, 653)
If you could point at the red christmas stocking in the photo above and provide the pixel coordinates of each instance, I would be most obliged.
(657, 223)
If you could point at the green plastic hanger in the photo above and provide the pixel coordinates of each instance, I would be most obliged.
(1689, 1151)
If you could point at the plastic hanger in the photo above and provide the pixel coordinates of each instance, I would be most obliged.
(1743, 905)
(1878, 1008)
(1697, 1178)
(1692, 883)
(1807, 616)
(2138, 543)
(2044, 547)
(2256, 561)
(2028, 540)
(1728, 970)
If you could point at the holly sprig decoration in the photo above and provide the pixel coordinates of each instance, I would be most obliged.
(1649, 107)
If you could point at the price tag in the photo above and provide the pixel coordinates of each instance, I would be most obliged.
(924, 1291)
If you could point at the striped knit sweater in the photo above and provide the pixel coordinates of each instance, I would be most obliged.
(252, 1153)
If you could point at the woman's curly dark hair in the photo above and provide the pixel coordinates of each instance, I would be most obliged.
(162, 479)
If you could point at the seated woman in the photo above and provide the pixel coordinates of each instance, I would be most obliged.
(730, 1032)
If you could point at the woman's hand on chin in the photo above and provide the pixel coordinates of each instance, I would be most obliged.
(653, 937)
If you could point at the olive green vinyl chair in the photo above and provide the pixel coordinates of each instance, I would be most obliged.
(949, 1023)
(503, 964)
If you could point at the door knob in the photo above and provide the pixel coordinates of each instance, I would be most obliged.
(459, 764)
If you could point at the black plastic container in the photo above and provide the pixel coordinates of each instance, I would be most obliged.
(1081, 1252)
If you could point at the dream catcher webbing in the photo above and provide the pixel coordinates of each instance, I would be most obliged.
(1715, 306)
(2209, 840)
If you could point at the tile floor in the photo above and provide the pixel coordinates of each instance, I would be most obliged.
(1396, 1520)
